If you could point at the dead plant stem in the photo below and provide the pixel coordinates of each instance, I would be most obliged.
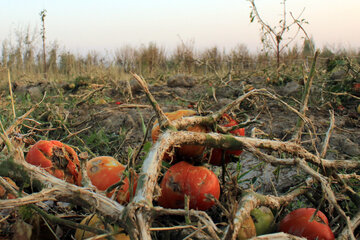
(305, 99)
(162, 118)
(11, 95)
(328, 134)
(329, 194)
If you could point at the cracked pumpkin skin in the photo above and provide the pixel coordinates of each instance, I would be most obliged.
(185, 179)
(58, 159)
(105, 171)
(184, 150)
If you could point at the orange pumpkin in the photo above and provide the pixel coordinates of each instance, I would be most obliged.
(298, 223)
(105, 171)
(58, 159)
(185, 179)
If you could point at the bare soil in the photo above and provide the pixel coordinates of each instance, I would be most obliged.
(275, 120)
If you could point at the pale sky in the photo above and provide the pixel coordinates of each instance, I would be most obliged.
(84, 25)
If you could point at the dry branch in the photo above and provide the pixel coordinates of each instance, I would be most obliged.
(233, 142)
(328, 134)
(355, 222)
(305, 99)
(211, 119)
(277, 236)
(11, 94)
(163, 120)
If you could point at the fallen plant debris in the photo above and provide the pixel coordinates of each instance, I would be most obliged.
(329, 185)
(138, 214)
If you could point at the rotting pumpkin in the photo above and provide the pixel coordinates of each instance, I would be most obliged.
(186, 150)
(196, 182)
(96, 222)
(105, 171)
(247, 229)
(57, 158)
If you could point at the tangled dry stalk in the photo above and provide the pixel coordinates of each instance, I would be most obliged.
(137, 217)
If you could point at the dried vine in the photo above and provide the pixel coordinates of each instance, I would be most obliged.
(137, 217)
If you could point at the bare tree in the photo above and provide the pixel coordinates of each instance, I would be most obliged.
(43, 15)
(273, 37)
